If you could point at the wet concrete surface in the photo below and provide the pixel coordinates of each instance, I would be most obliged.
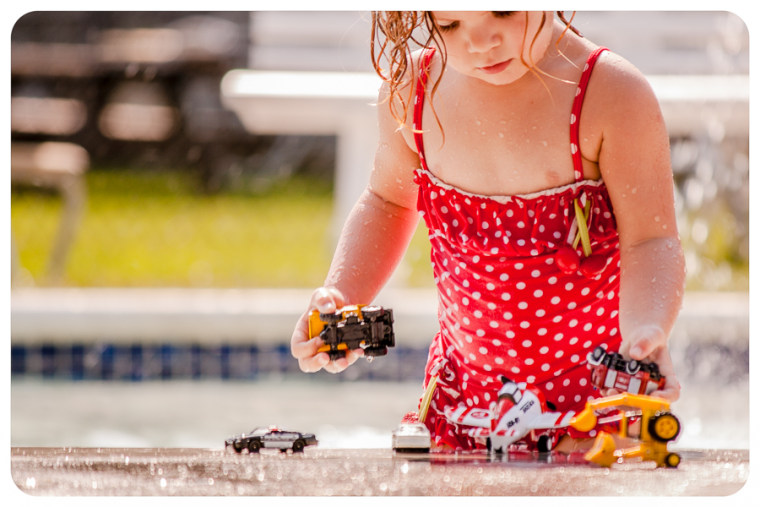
(362, 472)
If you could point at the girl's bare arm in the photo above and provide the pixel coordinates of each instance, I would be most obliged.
(634, 160)
(372, 242)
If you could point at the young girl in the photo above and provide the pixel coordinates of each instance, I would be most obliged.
(540, 165)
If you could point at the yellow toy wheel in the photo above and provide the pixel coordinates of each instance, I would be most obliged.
(664, 427)
(672, 460)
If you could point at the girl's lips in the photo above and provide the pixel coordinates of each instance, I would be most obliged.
(496, 68)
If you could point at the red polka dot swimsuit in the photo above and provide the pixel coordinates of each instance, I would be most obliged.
(504, 305)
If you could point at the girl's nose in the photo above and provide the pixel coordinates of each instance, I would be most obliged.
(480, 41)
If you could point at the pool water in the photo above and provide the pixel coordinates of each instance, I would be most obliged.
(343, 414)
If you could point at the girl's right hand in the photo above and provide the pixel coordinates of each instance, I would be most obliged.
(325, 300)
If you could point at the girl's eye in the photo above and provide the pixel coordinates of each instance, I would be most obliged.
(449, 27)
(503, 14)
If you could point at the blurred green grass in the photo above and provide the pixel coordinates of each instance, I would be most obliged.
(158, 229)
(155, 228)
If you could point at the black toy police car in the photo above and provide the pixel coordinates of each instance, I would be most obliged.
(270, 438)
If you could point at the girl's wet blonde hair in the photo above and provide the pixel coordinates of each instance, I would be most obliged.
(396, 34)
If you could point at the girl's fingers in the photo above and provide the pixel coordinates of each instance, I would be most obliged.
(669, 393)
(300, 344)
(302, 349)
(315, 363)
(608, 392)
(342, 363)
(306, 350)
(672, 389)
(327, 299)
(642, 342)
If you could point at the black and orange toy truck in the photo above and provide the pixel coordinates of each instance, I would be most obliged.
(354, 327)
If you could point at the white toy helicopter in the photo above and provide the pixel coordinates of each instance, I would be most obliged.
(520, 411)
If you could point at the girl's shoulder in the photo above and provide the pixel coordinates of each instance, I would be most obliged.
(423, 60)
(621, 108)
(417, 54)
(617, 93)
(411, 74)
(614, 78)
(406, 87)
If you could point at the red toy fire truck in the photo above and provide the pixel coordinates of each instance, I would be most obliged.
(610, 370)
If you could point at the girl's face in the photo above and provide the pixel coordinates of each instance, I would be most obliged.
(491, 46)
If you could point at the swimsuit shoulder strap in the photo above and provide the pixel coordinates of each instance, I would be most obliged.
(575, 115)
(419, 102)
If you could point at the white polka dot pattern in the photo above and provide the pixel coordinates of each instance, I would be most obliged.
(505, 307)
(505, 298)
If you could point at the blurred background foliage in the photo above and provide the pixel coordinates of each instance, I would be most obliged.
(158, 227)
(155, 228)
(712, 204)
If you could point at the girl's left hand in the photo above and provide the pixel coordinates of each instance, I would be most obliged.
(650, 344)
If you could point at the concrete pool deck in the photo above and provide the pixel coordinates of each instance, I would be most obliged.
(364, 472)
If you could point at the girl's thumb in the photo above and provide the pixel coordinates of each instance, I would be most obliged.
(641, 348)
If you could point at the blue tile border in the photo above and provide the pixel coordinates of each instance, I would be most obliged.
(726, 363)
(165, 361)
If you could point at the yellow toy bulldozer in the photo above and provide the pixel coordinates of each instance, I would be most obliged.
(645, 419)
